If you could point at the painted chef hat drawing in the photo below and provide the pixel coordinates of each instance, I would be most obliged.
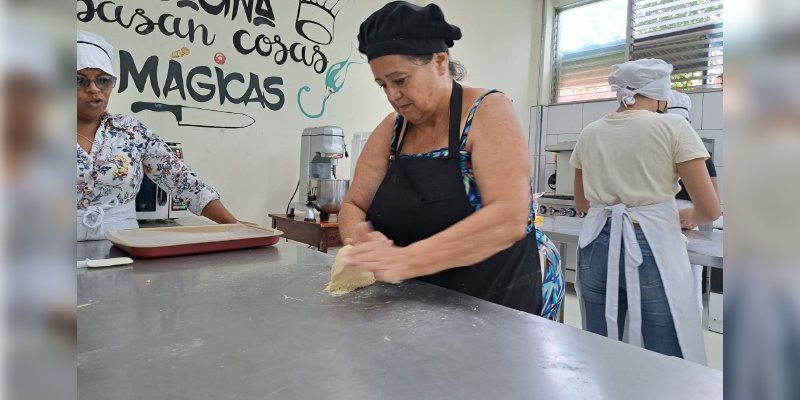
(679, 103)
(647, 77)
(94, 52)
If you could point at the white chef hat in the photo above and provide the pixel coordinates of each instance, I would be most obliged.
(679, 103)
(94, 52)
(647, 77)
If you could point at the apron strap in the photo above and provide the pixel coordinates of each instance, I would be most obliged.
(94, 221)
(456, 97)
(455, 119)
(94, 216)
(623, 237)
(398, 134)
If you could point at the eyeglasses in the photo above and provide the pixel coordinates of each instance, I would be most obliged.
(103, 82)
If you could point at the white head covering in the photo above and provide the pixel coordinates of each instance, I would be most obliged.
(94, 52)
(648, 77)
(679, 103)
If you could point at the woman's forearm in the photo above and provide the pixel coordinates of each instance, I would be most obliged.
(349, 217)
(473, 239)
(581, 203)
(217, 212)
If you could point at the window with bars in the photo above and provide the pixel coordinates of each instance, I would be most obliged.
(590, 38)
(684, 33)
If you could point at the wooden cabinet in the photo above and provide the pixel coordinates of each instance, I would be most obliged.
(320, 234)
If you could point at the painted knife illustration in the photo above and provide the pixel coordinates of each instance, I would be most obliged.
(198, 117)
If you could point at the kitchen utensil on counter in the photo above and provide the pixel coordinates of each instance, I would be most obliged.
(321, 148)
(108, 262)
(198, 117)
(182, 240)
(327, 195)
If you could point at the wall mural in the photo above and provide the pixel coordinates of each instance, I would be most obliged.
(197, 117)
(334, 80)
(316, 19)
(180, 53)
(262, 8)
(167, 78)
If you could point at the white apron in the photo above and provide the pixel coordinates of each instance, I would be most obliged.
(96, 220)
(661, 227)
(697, 270)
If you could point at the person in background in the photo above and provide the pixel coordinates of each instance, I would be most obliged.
(680, 104)
(115, 151)
(633, 278)
(441, 190)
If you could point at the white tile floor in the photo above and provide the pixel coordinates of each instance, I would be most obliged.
(713, 340)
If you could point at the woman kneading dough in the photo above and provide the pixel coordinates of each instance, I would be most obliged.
(442, 189)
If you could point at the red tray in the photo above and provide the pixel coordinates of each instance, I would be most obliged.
(182, 240)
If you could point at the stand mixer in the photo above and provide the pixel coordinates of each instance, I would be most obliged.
(320, 150)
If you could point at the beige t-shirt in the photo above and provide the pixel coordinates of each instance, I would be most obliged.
(629, 157)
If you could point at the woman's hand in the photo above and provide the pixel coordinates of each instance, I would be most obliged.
(389, 263)
(686, 218)
(364, 233)
(373, 252)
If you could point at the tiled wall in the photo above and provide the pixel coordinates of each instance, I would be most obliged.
(564, 122)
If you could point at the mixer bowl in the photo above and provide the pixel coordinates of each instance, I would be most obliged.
(328, 194)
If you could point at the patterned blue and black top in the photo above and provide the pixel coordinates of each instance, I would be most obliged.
(552, 275)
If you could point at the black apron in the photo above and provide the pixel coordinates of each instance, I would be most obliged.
(422, 196)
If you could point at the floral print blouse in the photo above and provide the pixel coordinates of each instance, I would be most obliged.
(124, 150)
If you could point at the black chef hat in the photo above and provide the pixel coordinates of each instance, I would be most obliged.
(404, 28)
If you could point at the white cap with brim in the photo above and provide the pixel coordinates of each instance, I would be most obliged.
(94, 52)
(648, 77)
(679, 103)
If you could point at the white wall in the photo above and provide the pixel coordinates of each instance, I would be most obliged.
(496, 47)
(255, 168)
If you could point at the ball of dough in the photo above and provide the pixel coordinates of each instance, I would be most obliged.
(345, 279)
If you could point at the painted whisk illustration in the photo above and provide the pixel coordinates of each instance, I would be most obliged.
(334, 80)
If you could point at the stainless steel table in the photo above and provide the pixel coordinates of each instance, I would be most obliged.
(255, 324)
